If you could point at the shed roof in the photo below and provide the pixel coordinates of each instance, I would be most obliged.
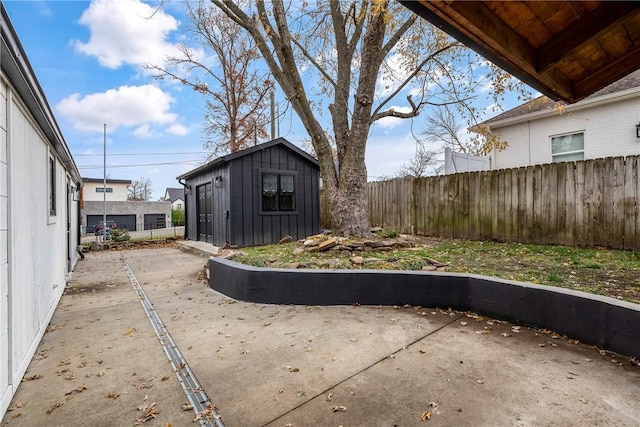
(565, 49)
(247, 151)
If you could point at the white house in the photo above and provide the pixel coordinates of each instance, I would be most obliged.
(176, 197)
(39, 212)
(604, 124)
(116, 190)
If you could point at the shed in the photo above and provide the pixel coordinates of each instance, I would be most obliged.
(254, 196)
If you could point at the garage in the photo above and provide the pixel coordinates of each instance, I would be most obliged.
(125, 222)
(154, 221)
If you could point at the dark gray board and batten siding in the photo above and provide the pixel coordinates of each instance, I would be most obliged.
(240, 194)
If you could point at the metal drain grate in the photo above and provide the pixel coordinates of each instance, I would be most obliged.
(196, 395)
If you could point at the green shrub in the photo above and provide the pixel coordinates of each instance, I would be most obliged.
(177, 217)
(118, 235)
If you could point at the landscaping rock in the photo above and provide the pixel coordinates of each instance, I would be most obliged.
(298, 251)
(328, 244)
(358, 260)
(286, 239)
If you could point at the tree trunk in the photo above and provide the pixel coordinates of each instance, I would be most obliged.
(348, 206)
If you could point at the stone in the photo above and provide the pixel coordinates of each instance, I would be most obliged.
(376, 229)
(298, 251)
(292, 265)
(286, 239)
(358, 260)
(328, 244)
(372, 243)
(428, 268)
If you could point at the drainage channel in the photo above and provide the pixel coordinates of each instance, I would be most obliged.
(202, 406)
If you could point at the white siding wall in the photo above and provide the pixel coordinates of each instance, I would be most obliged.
(609, 131)
(119, 192)
(33, 254)
(5, 389)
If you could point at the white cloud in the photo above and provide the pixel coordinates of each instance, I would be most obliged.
(143, 132)
(391, 122)
(385, 155)
(178, 129)
(127, 32)
(127, 106)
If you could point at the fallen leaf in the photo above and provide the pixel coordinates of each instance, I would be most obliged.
(70, 377)
(32, 378)
(57, 405)
(113, 395)
(166, 377)
(187, 407)
(149, 411)
(205, 413)
(339, 408)
(78, 389)
(141, 384)
(18, 405)
(425, 415)
(64, 362)
(329, 396)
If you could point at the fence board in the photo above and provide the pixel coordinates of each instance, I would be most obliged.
(569, 204)
(631, 204)
(485, 206)
(580, 227)
(608, 186)
(617, 207)
(599, 224)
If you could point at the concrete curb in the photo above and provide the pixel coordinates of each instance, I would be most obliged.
(593, 319)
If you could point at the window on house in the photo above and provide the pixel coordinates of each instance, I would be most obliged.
(278, 193)
(52, 186)
(179, 206)
(102, 190)
(567, 148)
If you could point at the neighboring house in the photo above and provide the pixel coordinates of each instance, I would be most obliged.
(176, 197)
(39, 212)
(253, 197)
(116, 190)
(604, 124)
(130, 215)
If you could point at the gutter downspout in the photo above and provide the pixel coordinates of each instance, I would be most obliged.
(186, 210)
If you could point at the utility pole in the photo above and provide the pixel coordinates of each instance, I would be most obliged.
(104, 187)
(273, 118)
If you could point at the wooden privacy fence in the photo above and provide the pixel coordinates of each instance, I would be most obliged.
(586, 203)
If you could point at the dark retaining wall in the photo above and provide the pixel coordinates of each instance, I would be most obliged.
(605, 322)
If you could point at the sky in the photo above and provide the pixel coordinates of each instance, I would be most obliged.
(89, 59)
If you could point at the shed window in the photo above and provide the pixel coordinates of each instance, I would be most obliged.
(103, 190)
(52, 186)
(278, 193)
(567, 148)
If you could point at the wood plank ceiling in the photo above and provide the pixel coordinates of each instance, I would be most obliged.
(565, 49)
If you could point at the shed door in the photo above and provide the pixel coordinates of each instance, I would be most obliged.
(205, 213)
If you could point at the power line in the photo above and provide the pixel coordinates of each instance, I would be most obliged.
(141, 154)
(142, 164)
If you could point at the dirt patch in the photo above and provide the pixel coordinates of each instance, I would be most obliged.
(89, 288)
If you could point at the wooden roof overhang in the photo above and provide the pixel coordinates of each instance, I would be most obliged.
(565, 49)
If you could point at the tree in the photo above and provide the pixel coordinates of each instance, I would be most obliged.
(425, 161)
(140, 190)
(363, 55)
(443, 128)
(235, 91)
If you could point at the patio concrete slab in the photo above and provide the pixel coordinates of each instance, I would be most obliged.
(291, 365)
